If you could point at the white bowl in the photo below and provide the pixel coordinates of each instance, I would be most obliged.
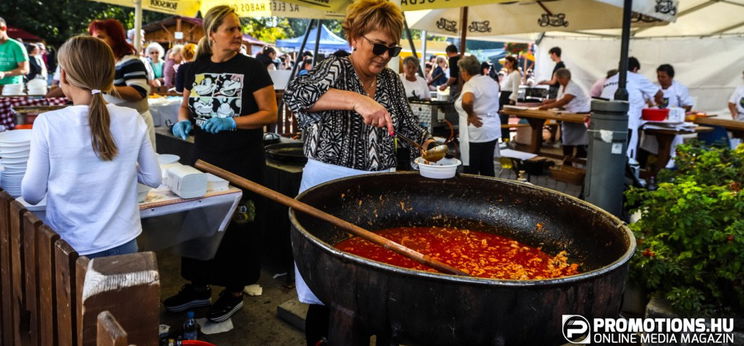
(442, 169)
(165, 159)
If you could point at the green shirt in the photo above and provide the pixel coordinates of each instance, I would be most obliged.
(12, 53)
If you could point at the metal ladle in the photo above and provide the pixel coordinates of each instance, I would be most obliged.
(434, 154)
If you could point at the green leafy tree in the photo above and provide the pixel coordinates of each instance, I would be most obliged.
(57, 20)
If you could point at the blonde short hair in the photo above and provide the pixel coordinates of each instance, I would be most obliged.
(365, 16)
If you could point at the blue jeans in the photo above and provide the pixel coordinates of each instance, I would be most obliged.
(123, 249)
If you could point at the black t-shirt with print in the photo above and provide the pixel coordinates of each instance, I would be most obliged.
(226, 90)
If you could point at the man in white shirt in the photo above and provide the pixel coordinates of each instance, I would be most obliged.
(573, 98)
(736, 103)
(639, 89)
(675, 94)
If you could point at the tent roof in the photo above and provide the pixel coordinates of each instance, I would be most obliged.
(17, 33)
(328, 41)
(695, 18)
(253, 41)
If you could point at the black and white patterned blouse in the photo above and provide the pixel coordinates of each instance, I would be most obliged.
(341, 137)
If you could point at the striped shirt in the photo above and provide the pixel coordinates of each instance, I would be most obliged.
(131, 71)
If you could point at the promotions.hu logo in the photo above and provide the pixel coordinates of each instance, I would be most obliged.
(447, 25)
(171, 5)
(576, 329)
(558, 19)
(651, 330)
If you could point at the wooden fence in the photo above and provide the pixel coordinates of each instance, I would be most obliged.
(49, 295)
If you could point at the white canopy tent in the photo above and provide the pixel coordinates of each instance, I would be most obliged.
(705, 45)
(534, 16)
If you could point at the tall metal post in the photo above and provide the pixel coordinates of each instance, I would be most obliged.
(302, 50)
(608, 136)
(317, 42)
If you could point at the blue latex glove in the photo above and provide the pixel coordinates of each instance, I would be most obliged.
(214, 125)
(181, 129)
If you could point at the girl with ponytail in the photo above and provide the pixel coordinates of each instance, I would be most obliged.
(87, 158)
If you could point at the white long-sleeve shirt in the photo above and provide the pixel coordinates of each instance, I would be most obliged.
(91, 203)
(513, 80)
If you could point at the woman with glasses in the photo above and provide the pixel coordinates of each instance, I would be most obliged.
(350, 109)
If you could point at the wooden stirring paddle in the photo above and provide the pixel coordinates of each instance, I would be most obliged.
(310, 210)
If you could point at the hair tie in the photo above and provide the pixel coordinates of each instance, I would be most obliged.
(94, 91)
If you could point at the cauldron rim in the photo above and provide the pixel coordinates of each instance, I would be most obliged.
(469, 279)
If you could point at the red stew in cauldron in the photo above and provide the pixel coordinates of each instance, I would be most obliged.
(476, 253)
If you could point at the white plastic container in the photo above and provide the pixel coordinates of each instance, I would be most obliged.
(215, 183)
(676, 115)
(443, 95)
(442, 169)
(187, 181)
(167, 161)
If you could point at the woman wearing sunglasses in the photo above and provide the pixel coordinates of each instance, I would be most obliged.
(349, 109)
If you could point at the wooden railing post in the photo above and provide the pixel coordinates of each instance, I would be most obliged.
(65, 301)
(31, 274)
(20, 315)
(129, 287)
(110, 332)
(45, 239)
(6, 283)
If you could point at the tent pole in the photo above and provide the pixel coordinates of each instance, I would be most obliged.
(464, 32)
(138, 26)
(317, 42)
(410, 41)
(423, 51)
(302, 49)
(622, 92)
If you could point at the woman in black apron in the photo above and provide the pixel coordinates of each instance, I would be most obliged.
(230, 97)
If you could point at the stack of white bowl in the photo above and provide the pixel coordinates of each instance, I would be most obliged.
(37, 87)
(13, 89)
(14, 149)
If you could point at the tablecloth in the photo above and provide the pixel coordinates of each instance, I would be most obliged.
(190, 227)
(7, 115)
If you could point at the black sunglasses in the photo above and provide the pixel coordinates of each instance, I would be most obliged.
(379, 48)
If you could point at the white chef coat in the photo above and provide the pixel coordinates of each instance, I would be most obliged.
(573, 133)
(677, 95)
(485, 91)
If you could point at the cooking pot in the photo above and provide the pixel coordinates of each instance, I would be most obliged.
(402, 305)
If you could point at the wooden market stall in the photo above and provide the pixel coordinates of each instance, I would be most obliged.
(164, 31)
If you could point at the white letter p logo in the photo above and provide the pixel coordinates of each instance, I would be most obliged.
(576, 329)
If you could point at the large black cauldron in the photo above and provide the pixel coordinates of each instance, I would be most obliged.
(407, 306)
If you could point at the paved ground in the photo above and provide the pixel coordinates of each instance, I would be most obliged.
(255, 324)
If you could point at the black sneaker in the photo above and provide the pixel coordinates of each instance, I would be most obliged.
(225, 306)
(188, 298)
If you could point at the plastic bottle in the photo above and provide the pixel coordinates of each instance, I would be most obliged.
(190, 327)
